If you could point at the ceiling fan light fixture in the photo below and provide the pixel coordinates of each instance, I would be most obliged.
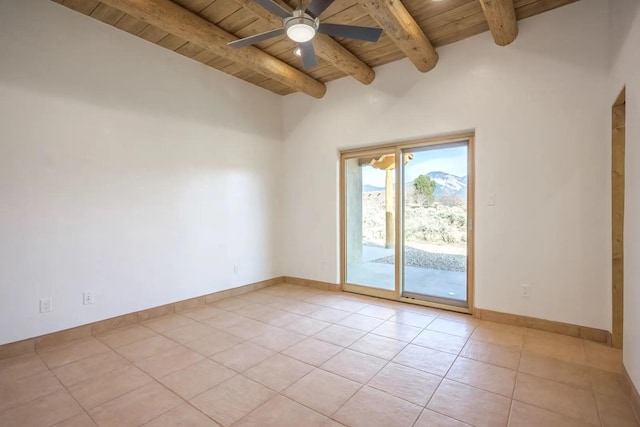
(301, 28)
(301, 33)
(297, 52)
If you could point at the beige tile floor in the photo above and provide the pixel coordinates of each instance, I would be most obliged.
(293, 356)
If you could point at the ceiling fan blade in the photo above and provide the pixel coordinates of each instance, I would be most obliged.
(257, 38)
(316, 7)
(369, 34)
(274, 8)
(309, 59)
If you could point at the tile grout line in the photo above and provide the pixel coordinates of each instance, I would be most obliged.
(543, 408)
(18, 405)
(179, 397)
(445, 377)
(593, 392)
(77, 402)
(515, 384)
(235, 423)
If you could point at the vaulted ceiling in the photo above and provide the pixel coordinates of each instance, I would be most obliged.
(201, 29)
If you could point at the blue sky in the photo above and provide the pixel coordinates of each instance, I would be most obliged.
(450, 160)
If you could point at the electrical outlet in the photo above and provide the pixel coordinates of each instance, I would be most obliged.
(525, 291)
(87, 298)
(236, 269)
(46, 306)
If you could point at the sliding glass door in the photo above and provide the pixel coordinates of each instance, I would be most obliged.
(411, 241)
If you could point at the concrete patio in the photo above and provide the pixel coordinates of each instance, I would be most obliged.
(424, 281)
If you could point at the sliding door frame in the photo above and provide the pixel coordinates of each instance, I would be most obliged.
(398, 148)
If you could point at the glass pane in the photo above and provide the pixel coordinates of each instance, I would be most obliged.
(370, 221)
(435, 222)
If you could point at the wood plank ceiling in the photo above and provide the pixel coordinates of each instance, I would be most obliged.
(412, 28)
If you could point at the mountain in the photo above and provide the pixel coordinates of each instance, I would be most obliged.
(369, 188)
(449, 186)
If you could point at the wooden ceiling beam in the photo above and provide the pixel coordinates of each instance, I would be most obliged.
(175, 19)
(501, 17)
(326, 47)
(405, 32)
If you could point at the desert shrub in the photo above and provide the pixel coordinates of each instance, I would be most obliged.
(429, 224)
(449, 200)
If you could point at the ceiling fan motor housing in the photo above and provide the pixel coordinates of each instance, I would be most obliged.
(301, 27)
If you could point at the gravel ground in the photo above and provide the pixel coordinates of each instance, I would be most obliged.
(424, 259)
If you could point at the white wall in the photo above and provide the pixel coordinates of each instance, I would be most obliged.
(625, 38)
(539, 109)
(125, 169)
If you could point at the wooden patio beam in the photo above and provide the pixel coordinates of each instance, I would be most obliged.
(405, 32)
(325, 46)
(501, 17)
(175, 19)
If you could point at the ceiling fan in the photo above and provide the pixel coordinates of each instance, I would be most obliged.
(301, 26)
